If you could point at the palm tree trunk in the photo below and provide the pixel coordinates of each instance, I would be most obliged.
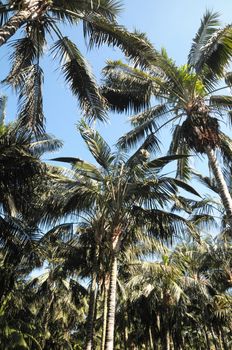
(104, 318)
(91, 312)
(13, 25)
(222, 186)
(111, 305)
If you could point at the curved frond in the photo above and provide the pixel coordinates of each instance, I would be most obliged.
(31, 100)
(78, 75)
(209, 24)
(97, 145)
(126, 88)
(134, 45)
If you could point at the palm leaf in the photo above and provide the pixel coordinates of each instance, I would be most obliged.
(216, 48)
(73, 10)
(178, 146)
(97, 145)
(185, 187)
(159, 163)
(209, 25)
(162, 225)
(78, 75)
(81, 167)
(221, 101)
(31, 101)
(134, 45)
(126, 88)
(45, 143)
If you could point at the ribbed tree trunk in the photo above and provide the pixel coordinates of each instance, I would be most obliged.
(104, 323)
(222, 186)
(109, 345)
(91, 312)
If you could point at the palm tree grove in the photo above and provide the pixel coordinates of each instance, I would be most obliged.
(123, 241)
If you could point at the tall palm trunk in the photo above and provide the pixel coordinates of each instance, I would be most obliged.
(222, 186)
(91, 313)
(109, 345)
(104, 323)
(92, 304)
(116, 240)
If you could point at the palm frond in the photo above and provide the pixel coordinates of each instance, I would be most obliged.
(97, 145)
(145, 125)
(43, 144)
(162, 225)
(223, 101)
(159, 163)
(207, 181)
(151, 144)
(126, 88)
(78, 75)
(73, 10)
(209, 24)
(217, 51)
(185, 187)
(178, 146)
(134, 45)
(31, 101)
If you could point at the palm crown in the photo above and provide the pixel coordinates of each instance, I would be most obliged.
(186, 95)
(37, 21)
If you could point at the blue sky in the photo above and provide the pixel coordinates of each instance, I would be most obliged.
(168, 23)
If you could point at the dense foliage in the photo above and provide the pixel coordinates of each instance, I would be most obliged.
(115, 254)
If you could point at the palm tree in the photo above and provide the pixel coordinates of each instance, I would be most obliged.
(187, 97)
(130, 193)
(36, 20)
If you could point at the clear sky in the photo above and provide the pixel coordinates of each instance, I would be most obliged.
(168, 23)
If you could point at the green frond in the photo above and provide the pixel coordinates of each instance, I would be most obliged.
(145, 125)
(204, 222)
(206, 181)
(97, 145)
(45, 143)
(63, 232)
(217, 52)
(159, 163)
(134, 45)
(151, 114)
(23, 56)
(78, 75)
(16, 236)
(151, 144)
(163, 225)
(178, 146)
(81, 167)
(31, 100)
(221, 101)
(126, 88)
(72, 10)
(209, 25)
(185, 187)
